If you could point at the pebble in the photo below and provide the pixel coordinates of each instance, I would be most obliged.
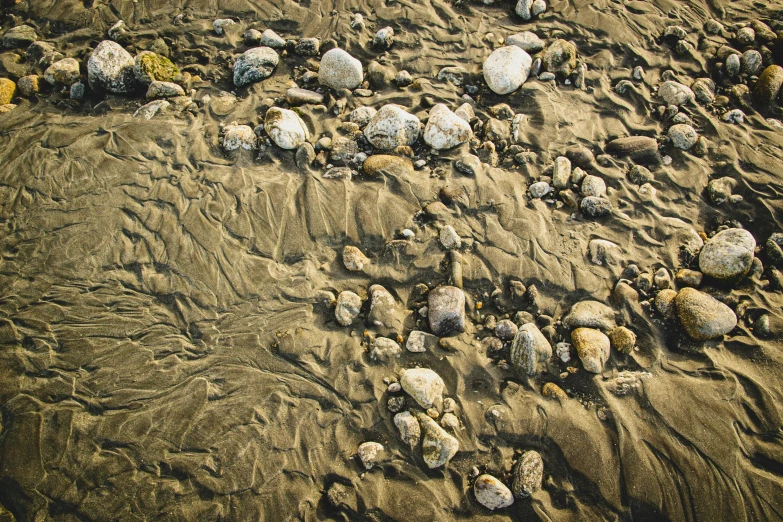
(66, 72)
(704, 90)
(683, 136)
(348, 307)
(385, 349)
(528, 474)
(633, 146)
(596, 206)
(774, 248)
(254, 65)
(720, 189)
(391, 127)
(603, 252)
(353, 259)
(238, 136)
(395, 404)
(728, 255)
(449, 238)
(593, 186)
(492, 493)
(687, 277)
(28, 85)
(110, 67)
(252, 37)
(357, 22)
(506, 69)
(746, 36)
(561, 173)
(577, 175)
(438, 447)
(506, 330)
(164, 90)
(220, 25)
(7, 91)
(563, 351)
(147, 111)
(560, 57)
(403, 79)
(640, 175)
(732, 65)
(752, 62)
(675, 93)
(340, 70)
(450, 421)
(285, 128)
(590, 314)
(308, 47)
(638, 73)
(361, 116)
(379, 164)
(444, 129)
(734, 116)
(702, 316)
(593, 348)
(383, 312)
(527, 41)
(418, 341)
(539, 189)
(529, 347)
(409, 428)
(384, 38)
(468, 164)
(269, 38)
(622, 339)
(297, 96)
(446, 310)
(370, 453)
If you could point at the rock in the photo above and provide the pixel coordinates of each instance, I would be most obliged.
(110, 67)
(593, 348)
(633, 146)
(593, 186)
(446, 310)
(745, 36)
(561, 173)
(385, 349)
(269, 38)
(527, 41)
(370, 453)
(348, 306)
(384, 38)
(8, 107)
(492, 493)
(751, 62)
(683, 136)
(590, 314)
(468, 164)
(524, 9)
(343, 150)
(728, 255)
(424, 386)
(252, 37)
(702, 316)
(340, 70)
(238, 136)
(622, 339)
(383, 312)
(147, 111)
(539, 189)
(596, 206)
(674, 93)
(285, 128)
(339, 173)
(450, 421)
(553, 391)
(419, 341)
(361, 116)
(392, 127)
(625, 382)
(465, 111)
(640, 175)
(529, 348)
(528, 474)
(688, 277)
(296, 97)
(720, 189)
(733, 65)
(444, 129)
(403, 79)
(409, 428)
(560, 57)
(538, 7)
(220, 25)
(438, 447)
(38, 50)
(149, 67)
(65, 71)
(386, 164)
(449, 238)
(763, 32)
(164, 90)
(7, 91)
(768, 85)
(603, 252)
(774, 248)
(506, 69)
(675, 31)
(254, 65)
(308, 47)
(506, 330)
(19, 36)
(704, 90)
(353, 259)
(28, 85)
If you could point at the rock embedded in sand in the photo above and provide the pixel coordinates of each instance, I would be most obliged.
(702, 316)
(409, 428)
(361, 116)
(438, 447)
(348, 306)
(590, 314)
(733, 65)
(774, 248)
(110, 67)
(384, 38)
(446, 310)
(285, 128)
(419, 341)
(704, 90)
(560, 57)
(296, 96)
(269, 38)
(238, 136)
(553, 391)
(7, 91)
(379, 164)
(529, 347)
(424, 386)
(370, 453)
(633, 146)
(149, 111)
(444, 129)
(254, 65)
(164, 90)
(219, 25)
(149, 67)
(468, 164)
(308, 47)
(528, 474)
(720, 189)
(340, 70)
(353, 258)
(385, 349)
(539, 189)
(65, 71)
(28, 85)
(593, 348)
(492, 493)
(449, 238)
(506, 69)
(383, 313)
(622, 339)
(768, 85)
(391, 127)
(675, 93)
(683, 136)
(506, 330)
(527, 41)
(593, 186)
(19, 36)
(594, 206)
(561, 173)
(728, 255)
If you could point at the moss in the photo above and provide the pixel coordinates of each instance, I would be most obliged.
(157, 67)
(7, 91)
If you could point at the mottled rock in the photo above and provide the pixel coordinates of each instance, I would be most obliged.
(383, 312)
(149, 67)
(768, 85)
(308, 47)
(446, 310)
(269, 38)
(728, 255)
(392, 127)
(348, 306)
(254, 65)
(492, 493)
(593, 348)
(702, 316)
(468, 164)
(296, 96)
(553, 391)
(28, 85)
(674, 93)
(110, 67)
(506, 69)
(506, 330)
(424, 386)
(164, 90)
(384, 38)
(409, 428)
(353, 258)
(149, 111)
(683, 136)
(720, 189)
(590, 314)
(370, 453)
(704, 90)
(361, 116)
(386, 164)
(285, 128)
(529, 348)
(539, 189)
(528, 474)
(444, 129)
(622, 339)
(385, 349)
(438, 447)
(419, 342)
(66, 72)
(239, 136)
(560, 57)
(594, 206)
(449, 238)
(7, 91)
(593, 186)
(19, 37)
(340, 70)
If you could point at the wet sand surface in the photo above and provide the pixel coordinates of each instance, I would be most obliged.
(169, 349)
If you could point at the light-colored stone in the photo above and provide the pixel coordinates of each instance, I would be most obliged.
(449, 238)
(492, 493)
(239, 136)
(506, 69)
(683, 136)
(391, 127)
(254, 65)
(527, 41)
(561, 173)
(728, 255)
(285, 128)
(348, 306)
(353, 258)
(528, 474)
(424, 386)
(674, 93)
(438, 447)
(409, 428)
(361, 116)
(593, 348)
(385, 349)
(269, 38)
(593, 186)
(444, 129)
(370, 453)
(590, 314)
(418, 341)
(66, 72)
(110, 67)
(446, 310)
(164, 90)
(340, 70)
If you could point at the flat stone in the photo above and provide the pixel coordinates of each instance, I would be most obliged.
(593, 348)
(149, 67)
(446, 310)
(702, 316)
(527, 41)
(361, 116)
(19, 36)
(529, 348)
(424, 386)
(269, 38)
(683, 136)
(595, 206)
(164, 90)
(380, 164)
(297, 96)
(633, 146)
(492, 493)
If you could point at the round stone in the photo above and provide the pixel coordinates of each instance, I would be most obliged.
(506, 69)
(340, 70)
(254, 65)
(702, 316)
(492, 493)
(728, 255)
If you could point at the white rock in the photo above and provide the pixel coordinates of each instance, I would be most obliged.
(391, 127)
(361, 116)
(593, 186)
(220, 25)
(409, 428)
(561, 173)
(369, 453)
(506, 69)
(674, 93)
(239, 136)
(492, 493)
(254, 65)
(683, 136)
(563, 351)
(444, 129)
(340, 70)
(418, 341)
(347, 309)
(449, 238)
(438, 447)
(110, 67)
(424, 385)
(538, 7)
(285, 128)
(603, 252)
(728, 255)
(527, 41)
(539, 189)
(385, 349)
(529, 347)
(466, 112)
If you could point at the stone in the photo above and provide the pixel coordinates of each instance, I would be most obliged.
(384, 38)
(675, 93)
(538, 7)
(553, 391)
(252, 37)
(622, 339)
(561, 173)
(424, 386)
(450, 421)
(361, 116)
(603, 252)
(285, 128)
(353, 259)
(639, 174)
(506, 330)
(308, 47)
(220, 25)
(271, 39)
(444, 129)
(446, 310)
(687, 277)
(704, 90)
(466, 112)
(110, 67)
(438, 447)
(383, 313)
(449, 238)
(733, 65)
(370, 453)
(7, 91)
(19, 36)
(409, 428)
(560, 57)
(662, 278)
(593, 186)
(385, 349)
(468, 164)
(524, 9)
(720, 189)
(403, 79)
(149, 67)
(633, 146)
(254, 65)
(28, 86)
(528, 474)
(702, 316)
(527, 41)
(340, 70)
(745, 36)
(38, 50)
(539, 189)
(529, 347)
(296, 96)
(164, 90)
(683, 136)
(768, 85)
(343, 150)
(594, 206)
(577, 175)
(774, 248)
(728, 255)
(66, 72)
(506, 69)
(392, 127)
(386, 164)
(147, 111)
(675, 31)
(239, 136)
(590, 314)
(348, 307)
(492, 493)
(419, 341)
(593, 348)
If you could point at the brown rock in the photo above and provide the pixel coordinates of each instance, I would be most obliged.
(768, 85)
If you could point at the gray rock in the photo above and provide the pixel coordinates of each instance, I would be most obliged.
(633, 146)
(528, 474)
(409, 428)
(674, 93)
(385, 349)
(444, 129)
(361, 116)
(424, 386)
(702, 316)
(728, 255)
(392, 127)
(340, 70)
(529, 348)
(297, 96)
(403, 79)
(704, 90)
(269, 38)
(539, 189)
(593, 186)
(370, 453)
(285, 128)
(308, 47)
(506, 330)
(252, 37)
(733, 65)
(538, 7)
(751, 62)
(640, 175)
(492, 493)
(506, 69)
(524, 9)
(774, 248)
(19, 36)
(164, 90)
(38, 50)
(239, 136)
(344, 149)
(527, 41)
(446, 310)
(419, 342)
(384, 313)
(110, 67)
(254, 65)
(593, 348)
(65, 71)
(384, 38)
(438, 447)
(596, 206)
(590, 314)
(683, 136)
(348, 307)
(561, 173)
